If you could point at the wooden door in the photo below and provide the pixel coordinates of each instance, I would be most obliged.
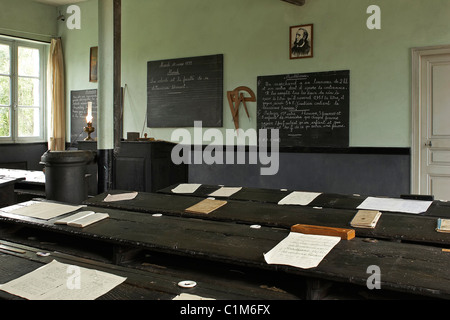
(431, 125)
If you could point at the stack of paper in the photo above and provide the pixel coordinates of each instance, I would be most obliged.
(225, 192)
(395, 205)
(299, 198)
(443, 225)
(82, 219)
(186, 188)
(41, 210)
(120, 197)
(366, 219)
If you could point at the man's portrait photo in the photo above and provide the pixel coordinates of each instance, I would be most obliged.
(301, 41)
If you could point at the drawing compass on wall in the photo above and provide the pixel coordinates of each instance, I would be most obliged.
(235, 98)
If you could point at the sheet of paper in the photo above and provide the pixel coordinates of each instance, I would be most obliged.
(301, 250)
(74, 217)
(187, 296)
(225, 192)
(44, 210)
(18, 206)
(395, 205)
(58, 281)
(120, 197)
(299, 198)
(186, 188)
(88, 220)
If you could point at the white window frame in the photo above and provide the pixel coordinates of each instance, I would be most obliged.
(14, 78)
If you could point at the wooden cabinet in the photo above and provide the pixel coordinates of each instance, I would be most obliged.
(140, 166)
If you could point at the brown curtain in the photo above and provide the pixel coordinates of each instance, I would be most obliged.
(56, 94)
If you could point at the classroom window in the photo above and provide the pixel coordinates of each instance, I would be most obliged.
(22, 91)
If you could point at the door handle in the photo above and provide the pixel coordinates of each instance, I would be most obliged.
(428, 144)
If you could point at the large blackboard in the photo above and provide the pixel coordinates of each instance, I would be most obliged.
(310, 109)
(181, 91)
(79, 109)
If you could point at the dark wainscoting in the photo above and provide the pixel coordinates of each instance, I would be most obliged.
(22, 155)
(364, 171)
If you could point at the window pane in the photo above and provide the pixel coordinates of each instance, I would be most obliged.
(28, 92)
(4, 122)
(28, 62)
(5, 59)
(28, 122)
(5, 91)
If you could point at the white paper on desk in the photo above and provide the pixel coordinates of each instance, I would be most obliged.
(299, 198)
(187, 296)
(58, 281)
(301, 250)
(44, 210)
(395, 205)
(120, 197)
(186, 188)
(225, 192)
(6, 179)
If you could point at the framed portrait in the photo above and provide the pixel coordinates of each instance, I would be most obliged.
(93, 64)
(301, 41)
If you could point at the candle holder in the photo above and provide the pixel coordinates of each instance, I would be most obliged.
(89, 129)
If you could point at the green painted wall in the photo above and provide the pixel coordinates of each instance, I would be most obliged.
(27, 19)
(253, 36)
(76, 46)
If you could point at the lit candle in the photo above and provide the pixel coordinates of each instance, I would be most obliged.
(89, 115)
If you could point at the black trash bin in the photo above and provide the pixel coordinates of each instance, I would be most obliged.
(65, 175)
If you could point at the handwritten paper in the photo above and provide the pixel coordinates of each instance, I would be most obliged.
(120, 197)
(225, 192)
(43, 210)
(395, 205)
(186, 188)
(299, 198)
(301, 250)
(58, 281)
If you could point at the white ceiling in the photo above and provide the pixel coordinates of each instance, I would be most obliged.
(58, 2)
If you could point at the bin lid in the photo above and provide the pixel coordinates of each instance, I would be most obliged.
(68, 156)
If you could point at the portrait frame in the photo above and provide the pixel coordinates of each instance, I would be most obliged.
(301, 41)
(93, 56)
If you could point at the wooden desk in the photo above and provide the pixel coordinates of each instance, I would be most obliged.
(391, 226)
(28, 184)
(147, 279)
(7, 195)
(325, 200)
(406, 268)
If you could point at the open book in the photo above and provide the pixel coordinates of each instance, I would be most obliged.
(82, 219)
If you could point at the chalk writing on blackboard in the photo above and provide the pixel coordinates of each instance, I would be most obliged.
(79, 106)
(181, 91)
(309, 109)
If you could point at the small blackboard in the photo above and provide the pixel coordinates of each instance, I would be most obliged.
(310, 110)
(79, 109)
(181, 91)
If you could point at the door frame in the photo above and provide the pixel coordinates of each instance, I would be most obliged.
(416, 146)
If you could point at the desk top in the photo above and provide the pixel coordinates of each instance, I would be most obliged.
(146, 281)
(326, 200)
(406, 267)
(392, 226)
(28, 176)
